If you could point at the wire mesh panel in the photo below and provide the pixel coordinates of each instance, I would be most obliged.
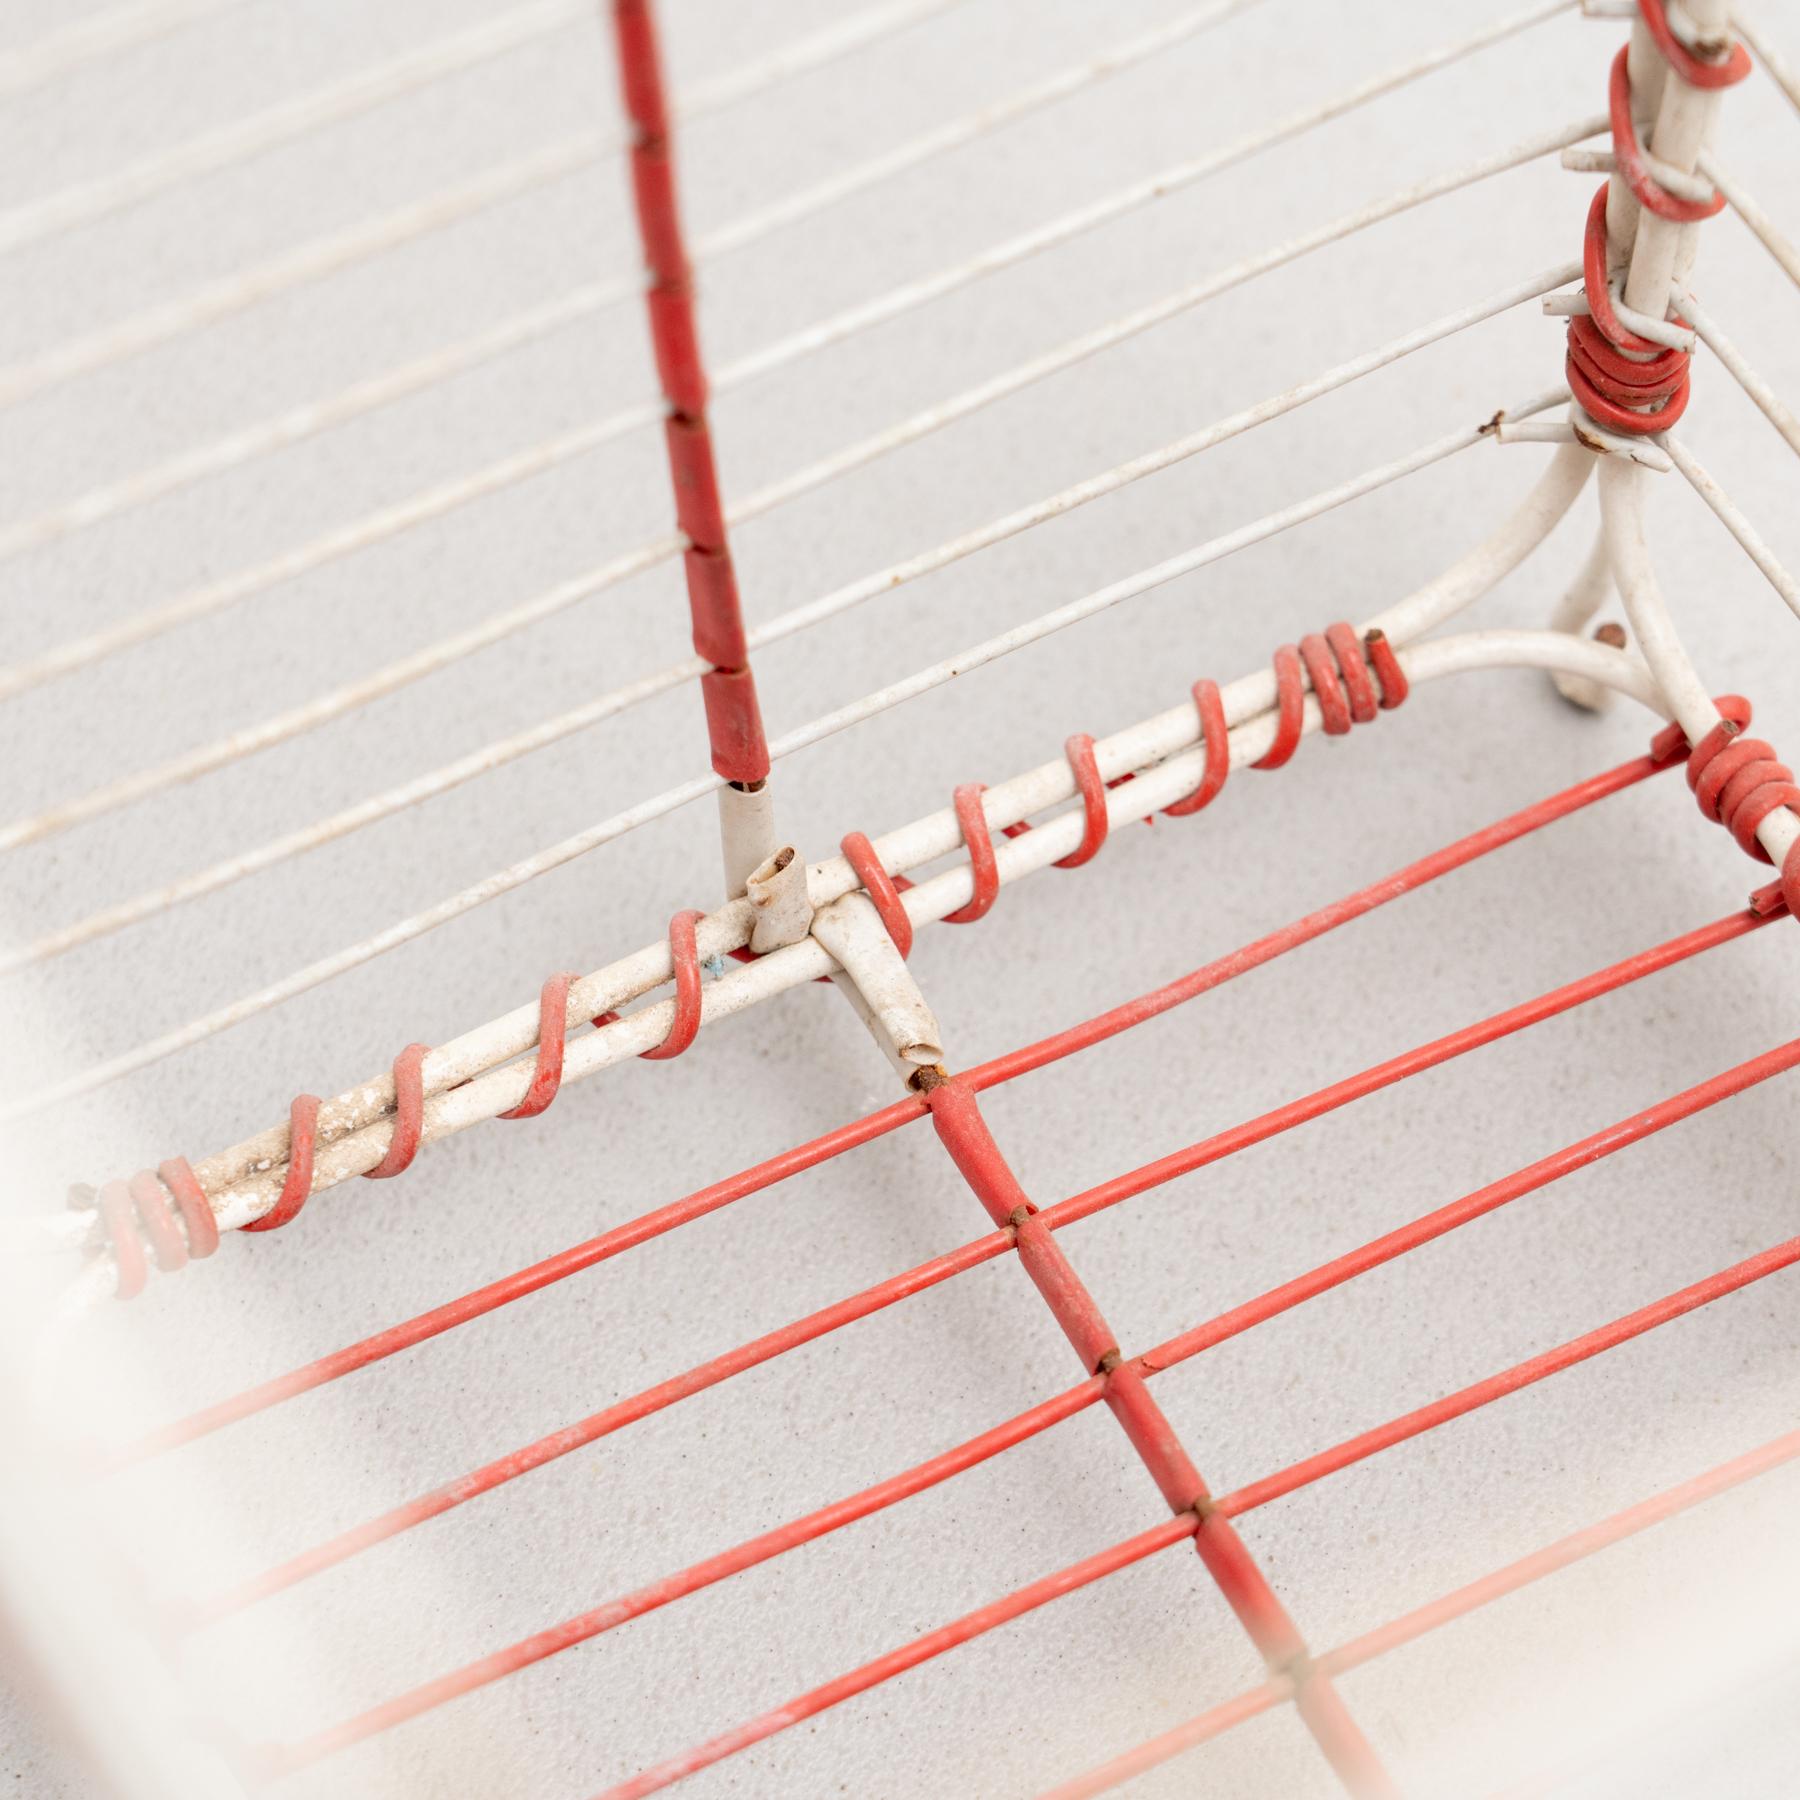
(457, 450)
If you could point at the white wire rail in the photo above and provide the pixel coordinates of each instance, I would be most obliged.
(297, 423)
(506, 750)
(336, 251)
(477, 1076)
(322, 709)
(38, 221)
(1496, 555)
(446, 497)
(62, 52)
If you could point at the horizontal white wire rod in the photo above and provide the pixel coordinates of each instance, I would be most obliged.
(1749, 209)
(1488, 564)
(1732, 518)
(282, 727)
(104, 34)
(1465, 581)
(497, 755)
(1768, 402)
(294, 424)
(528, 326)
(334, 251)
(243, 1182)
(39, 220)
(1777, 67)
(296, 267)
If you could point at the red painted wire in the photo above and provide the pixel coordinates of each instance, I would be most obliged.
(979, 841)
(1215, 735)
(1534, 1369)
(553, 1025)
(303, 1137)
(740, 751)
(1435, 1614)
(595, 1426)
(956, 1114)
(517, 1285)
(1738, 782)
(685, 956)
(896, 1662)
(1628, 154)
(1602, 364)
(1080, 751)
(935, 1643)
(591, 1624)
(941, 1268)
(1435, 1224)
(117, 1215)
(196, 1210)
(1696, 71)
(1004, 1068)
(884, 890)
(409, 1111)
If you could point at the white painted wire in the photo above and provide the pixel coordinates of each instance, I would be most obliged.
(497, 755)
(537, 459)
(335, 251)
(297, 423)
(868, 706)
(500, 1085)
(1163, 741)
(1768, 402)
(321, 709)
(1749, 28)
(87, 40)
(37, 221)
(1749, 209)
(1732, 518)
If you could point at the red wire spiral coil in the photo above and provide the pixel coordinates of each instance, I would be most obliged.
(303, 1140)
(135, 1210)
(884, 890)
(1352, 678)
(1612, 371)
(409, 1114)
(1738, 782)
(980, 843)
(138, 1210)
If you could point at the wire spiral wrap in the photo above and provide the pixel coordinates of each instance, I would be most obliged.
(1352, 678)
(1738, 782)
(1613, 372)
(884, 890)
(131, 1212)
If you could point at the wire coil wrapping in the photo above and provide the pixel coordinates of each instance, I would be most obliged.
(1623, 380)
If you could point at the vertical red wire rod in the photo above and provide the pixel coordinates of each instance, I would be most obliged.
(956, 1114)
(740, 751)
(1435, 1614)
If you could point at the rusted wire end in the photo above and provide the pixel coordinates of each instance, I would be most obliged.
(1611, 634)
(1108, 1362)
(925, 1080)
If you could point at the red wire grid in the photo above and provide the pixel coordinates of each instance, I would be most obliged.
(1736, 780)
(1114, 1379)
